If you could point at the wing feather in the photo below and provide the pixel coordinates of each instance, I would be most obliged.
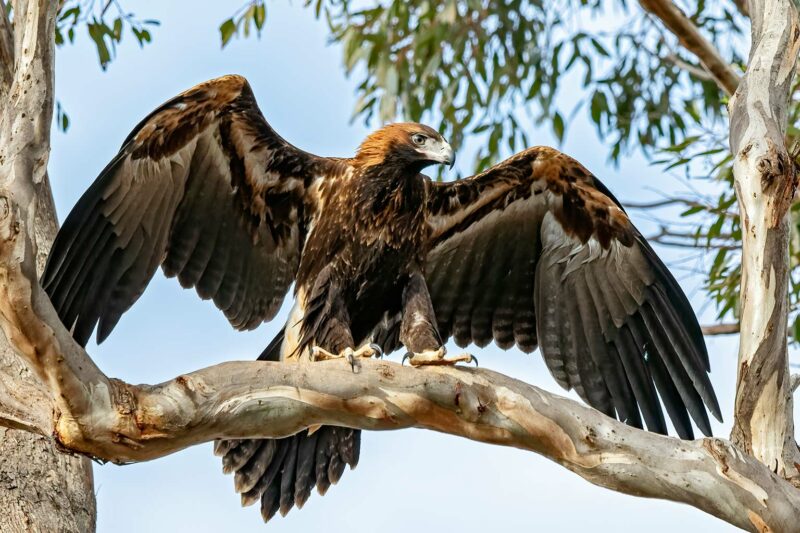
(631, 352)
(542, 247)
(305, 475)
(204, 187)
(606, 361)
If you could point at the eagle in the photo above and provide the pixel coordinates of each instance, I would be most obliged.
(533, 252)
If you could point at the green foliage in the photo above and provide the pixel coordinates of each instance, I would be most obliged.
(105, 23)
(62, 120)
(495, 66)
(105, 27)
(251, 15)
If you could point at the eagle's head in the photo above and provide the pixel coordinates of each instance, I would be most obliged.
(407, 145)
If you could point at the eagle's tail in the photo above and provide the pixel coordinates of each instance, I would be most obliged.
(281, 472)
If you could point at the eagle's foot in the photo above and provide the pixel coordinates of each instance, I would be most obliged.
(348, 354)
(437, 358)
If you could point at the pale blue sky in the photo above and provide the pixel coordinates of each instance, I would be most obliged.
(406, 480)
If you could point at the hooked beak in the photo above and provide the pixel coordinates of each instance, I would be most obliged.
(441, 153)
(449, 155)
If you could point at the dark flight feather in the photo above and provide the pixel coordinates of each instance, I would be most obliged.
(611, 321)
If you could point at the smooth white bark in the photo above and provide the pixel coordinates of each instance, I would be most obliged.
(766, 181)
(41, 488)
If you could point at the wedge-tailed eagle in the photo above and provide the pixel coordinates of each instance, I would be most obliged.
(534, 251)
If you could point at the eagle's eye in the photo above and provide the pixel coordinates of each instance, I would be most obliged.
(418, 138)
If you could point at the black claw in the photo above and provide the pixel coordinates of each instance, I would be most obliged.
(379, 351)
(474, 360)
(408, 355)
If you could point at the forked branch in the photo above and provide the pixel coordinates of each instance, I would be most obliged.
(690, 38)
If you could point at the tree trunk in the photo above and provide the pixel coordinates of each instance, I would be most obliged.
(766, 181)
(41, 489)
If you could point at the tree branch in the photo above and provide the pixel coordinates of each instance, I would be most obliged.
(30, 466)
(765, 181)
(701, 241)
(112, 420)
(24, 151)
(720, 329)
(695, 71)
(677, 200)
(690, 38)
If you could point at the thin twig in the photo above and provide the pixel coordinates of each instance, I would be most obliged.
(720, 329)
(666, 237)
(662, 203)
(697, 72)
(694, 245)
(688, 202)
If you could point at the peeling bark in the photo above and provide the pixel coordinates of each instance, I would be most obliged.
(41, 489)
(765, 181)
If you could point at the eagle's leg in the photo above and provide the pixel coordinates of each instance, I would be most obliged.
(334, 332)
(418, 330)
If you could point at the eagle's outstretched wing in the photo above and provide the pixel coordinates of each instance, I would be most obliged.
(536, 251)
(202, 186)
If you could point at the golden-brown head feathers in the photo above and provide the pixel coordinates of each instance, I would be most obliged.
(404, 143)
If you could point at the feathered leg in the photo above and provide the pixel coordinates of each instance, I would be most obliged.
(418, 330)
(326, 325)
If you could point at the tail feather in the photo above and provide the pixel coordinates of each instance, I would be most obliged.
(282, 472)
